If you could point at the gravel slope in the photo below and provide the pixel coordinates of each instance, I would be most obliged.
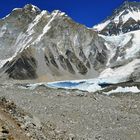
(79, 115)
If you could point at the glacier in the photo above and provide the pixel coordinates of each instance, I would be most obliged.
(132, 89)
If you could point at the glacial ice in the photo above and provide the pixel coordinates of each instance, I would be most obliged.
(132, 89)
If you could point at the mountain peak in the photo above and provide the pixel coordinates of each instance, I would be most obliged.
(30, 7)
(128, 5)
(124, 19)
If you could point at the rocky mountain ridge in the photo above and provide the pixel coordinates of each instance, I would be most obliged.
(36, 44)
(49, 45)
(124, 19)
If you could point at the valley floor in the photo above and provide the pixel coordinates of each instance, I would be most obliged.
(76, 115)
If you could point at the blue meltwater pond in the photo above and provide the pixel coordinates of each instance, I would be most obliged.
(66, 84)
(85, 85)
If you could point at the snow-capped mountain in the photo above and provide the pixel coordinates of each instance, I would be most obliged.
(36, 44)
(124, 19)
(48, 46)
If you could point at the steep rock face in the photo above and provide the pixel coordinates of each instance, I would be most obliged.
(124, 19)
(12, 26)
(23, 66)
(50, 46)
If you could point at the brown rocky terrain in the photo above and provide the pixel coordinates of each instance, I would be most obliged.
(69, 114)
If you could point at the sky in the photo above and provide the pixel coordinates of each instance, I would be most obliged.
(87, 12)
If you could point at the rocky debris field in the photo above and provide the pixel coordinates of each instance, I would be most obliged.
(57, 114)
(15, 124)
